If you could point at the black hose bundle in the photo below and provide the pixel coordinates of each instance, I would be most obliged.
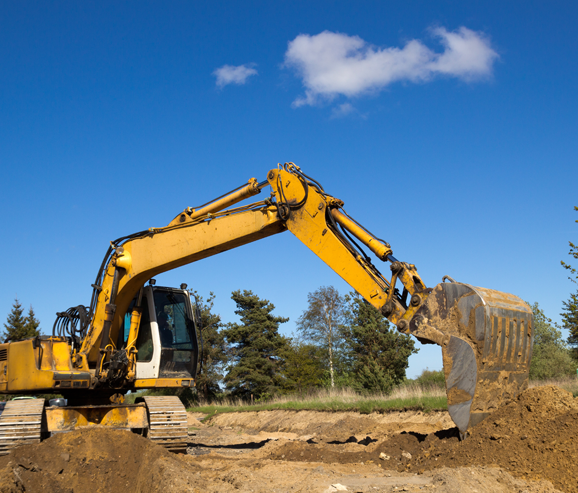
(73, 322)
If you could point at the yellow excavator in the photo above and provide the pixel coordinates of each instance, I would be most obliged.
(135, 337)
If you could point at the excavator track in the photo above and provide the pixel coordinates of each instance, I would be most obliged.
(167, 422)
(20, 424)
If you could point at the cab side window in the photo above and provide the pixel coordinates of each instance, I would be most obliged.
(144, 341)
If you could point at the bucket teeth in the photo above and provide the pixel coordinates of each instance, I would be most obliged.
(486, 339)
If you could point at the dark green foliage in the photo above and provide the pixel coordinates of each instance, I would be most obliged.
(378, 353)
(431, 378)
(570, 322)
(573, 253)
(303, 367)
(19, 327)
(570, 313)
(32, 324)
(322, 322)
(214, 351)
(550, 357)
(255, 366)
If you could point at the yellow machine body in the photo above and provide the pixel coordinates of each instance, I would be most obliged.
(59, 419)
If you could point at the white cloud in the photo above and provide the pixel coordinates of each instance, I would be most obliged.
(332, 64)
(342, 110)
(230, 74)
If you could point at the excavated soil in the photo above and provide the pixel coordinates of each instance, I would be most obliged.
(334, 425)
(529, 445)
(534, 437)
(91, 461)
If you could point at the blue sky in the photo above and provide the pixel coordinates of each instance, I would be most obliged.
(114, 117)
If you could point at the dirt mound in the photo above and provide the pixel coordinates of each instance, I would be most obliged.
(533, 437)
(226, 460)
(536, 436)
(92, 461)
(333, 424)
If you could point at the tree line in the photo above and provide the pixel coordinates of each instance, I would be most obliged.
(340, 341)
(554, 357)
(344, 341)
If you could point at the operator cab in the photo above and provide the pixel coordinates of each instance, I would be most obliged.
(167, 338)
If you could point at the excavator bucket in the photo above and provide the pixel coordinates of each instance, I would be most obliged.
(486, 339)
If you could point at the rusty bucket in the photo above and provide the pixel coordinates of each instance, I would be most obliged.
(486, 340)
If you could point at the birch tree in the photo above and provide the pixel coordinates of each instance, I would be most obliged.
(322, 321)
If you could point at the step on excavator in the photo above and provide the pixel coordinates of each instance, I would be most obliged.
(135, 336)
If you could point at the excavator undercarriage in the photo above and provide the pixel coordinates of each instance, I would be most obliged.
(162, 419)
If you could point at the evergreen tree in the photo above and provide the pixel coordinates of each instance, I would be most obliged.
(570, 313)
(303, 367)
(550, 356)
(321, 323)
(32, 324)
(377, 353)
(214, 351)
(573, 253)
(256, 348)
(570, 322)
(19, 327)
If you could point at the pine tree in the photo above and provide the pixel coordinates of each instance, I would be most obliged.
(573, 253)
(378, 354)
(256, 348)
(214, 351)
(303, 367)
(19, 327)
(570, 322)
(32, 323)
(570, 313)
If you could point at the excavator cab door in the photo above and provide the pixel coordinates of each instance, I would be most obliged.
(177, 334)
(166, 343)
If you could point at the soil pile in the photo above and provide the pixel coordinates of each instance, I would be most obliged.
(93, 461)
(523, 447)
(333, 424)
(533, 437)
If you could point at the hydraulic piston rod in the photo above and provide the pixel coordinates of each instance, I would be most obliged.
(380, 249)
(253, 188)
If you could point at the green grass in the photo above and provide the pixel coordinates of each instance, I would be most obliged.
(363, 406)
(406, 398)
(412, 396)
